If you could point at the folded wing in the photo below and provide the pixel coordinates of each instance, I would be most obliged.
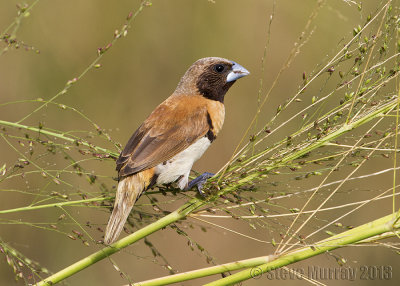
(172, 127)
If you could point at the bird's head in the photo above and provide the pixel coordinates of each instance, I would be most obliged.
(210, 77)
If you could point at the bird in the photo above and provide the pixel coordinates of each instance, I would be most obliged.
(175, 135)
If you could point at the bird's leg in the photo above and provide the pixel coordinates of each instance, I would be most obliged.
(199, 182)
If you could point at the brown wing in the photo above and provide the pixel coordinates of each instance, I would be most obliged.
(171, 127)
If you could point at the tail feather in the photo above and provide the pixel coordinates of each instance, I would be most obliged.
(128, 191)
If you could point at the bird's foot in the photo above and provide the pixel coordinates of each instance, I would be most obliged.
(199, 182)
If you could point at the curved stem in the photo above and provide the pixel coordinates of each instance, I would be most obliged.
(180, 277)
(368, 230)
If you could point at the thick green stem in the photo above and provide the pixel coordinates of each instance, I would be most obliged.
(126, 241)
(205, 271)
(368, 230)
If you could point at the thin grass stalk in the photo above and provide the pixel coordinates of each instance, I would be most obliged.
(58, 135)
(61, 204)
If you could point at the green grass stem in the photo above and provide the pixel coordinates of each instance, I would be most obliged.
(57, 135)
(61, 204)
(382, 225)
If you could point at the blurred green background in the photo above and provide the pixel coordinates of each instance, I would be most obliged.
(139, 72)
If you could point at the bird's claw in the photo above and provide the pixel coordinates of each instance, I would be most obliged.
(199, 182)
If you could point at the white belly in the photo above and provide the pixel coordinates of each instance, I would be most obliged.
(181, 164)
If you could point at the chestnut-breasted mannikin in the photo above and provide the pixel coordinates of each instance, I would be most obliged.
(175, 135)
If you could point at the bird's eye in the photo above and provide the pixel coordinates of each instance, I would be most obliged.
(219, 68)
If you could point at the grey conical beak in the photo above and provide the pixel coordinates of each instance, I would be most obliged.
(237, 72)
